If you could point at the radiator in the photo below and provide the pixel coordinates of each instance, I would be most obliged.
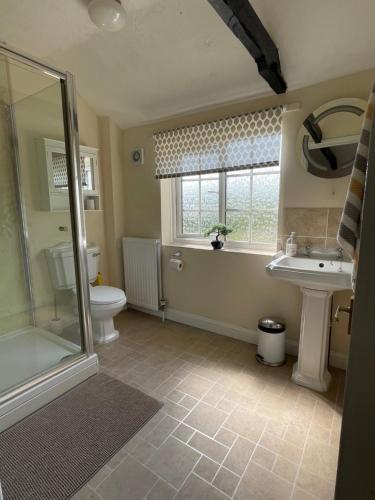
(142, 268)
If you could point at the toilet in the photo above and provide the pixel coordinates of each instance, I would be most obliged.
(106, 301)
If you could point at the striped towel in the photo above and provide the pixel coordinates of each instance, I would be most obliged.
(350, 225)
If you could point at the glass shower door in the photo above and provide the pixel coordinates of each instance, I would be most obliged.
(40, 318)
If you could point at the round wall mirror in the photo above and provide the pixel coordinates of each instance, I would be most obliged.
(327, 140)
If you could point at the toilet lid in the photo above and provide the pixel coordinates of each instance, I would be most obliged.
(105, 295)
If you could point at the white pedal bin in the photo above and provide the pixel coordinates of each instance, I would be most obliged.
(271, 342)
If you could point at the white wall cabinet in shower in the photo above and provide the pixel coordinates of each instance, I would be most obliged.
(54, 176)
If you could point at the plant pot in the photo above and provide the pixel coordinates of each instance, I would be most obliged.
(217, 244)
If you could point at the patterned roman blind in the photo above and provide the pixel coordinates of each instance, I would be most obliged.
(240, 142)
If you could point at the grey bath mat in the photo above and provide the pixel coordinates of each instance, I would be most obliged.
(52, 453)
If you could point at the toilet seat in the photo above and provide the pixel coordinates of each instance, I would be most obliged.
(106, 302)
(101, 295)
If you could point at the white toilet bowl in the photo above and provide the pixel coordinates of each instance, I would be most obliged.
(106, 302)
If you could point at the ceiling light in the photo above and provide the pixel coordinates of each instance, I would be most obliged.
(107, 15)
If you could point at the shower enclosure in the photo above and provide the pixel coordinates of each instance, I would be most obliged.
(45, 334)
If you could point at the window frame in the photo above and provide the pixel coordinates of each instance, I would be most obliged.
(181, 239)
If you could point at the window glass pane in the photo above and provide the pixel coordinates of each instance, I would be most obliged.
(210, 194)
(190, 222)
(208, 219)
(239, 222)
(190, 194)
(264, 227)
(238, 192)
(265, 191)
(251, 208)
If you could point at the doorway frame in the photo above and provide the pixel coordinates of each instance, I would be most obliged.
(356, 466)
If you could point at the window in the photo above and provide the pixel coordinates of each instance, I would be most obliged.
(246, 200)
(225, 171)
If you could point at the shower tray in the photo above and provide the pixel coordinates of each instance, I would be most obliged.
(29, 352)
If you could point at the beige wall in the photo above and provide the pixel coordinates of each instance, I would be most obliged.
(232, 287)
(114, 198)
(89, 135)
(40, 116)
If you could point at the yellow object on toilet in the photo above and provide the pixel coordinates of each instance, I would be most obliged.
(99, 279)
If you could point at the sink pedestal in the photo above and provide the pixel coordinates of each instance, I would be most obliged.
(311, 369)
(317, 280)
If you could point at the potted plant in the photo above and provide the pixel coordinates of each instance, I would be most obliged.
(220, 230)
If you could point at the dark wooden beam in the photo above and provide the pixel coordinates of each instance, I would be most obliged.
(316, 134)
(242, 19)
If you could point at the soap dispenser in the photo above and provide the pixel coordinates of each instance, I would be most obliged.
(291, 245)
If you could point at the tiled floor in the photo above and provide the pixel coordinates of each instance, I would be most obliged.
(229, 428)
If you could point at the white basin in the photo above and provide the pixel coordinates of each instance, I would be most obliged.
(318, 279)
(317, 274)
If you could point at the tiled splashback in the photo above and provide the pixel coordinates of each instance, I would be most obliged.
(313, 226)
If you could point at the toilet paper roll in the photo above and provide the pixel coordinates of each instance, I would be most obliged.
(176, 265)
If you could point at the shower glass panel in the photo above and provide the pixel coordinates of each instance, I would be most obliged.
(39, 322)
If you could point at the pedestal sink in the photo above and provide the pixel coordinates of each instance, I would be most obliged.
(318, 279)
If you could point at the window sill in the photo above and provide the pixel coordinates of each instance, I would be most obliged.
(225, 249)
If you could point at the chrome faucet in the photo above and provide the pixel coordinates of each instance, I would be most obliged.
(308, 250)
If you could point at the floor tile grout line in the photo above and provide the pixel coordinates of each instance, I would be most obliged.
(127, 455)
(94, 490)
(247, 465)
(102, 481)
(198, 360)
(222, 427)
(213, 485)
(227, 469)
(155, 474)
(112, 470)
(198, 451)
(152, 487)
(224, 459)
(187, 444)
(302, 456)
(196, 431)
(169, 435)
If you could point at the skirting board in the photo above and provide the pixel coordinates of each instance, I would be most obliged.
(336, 359)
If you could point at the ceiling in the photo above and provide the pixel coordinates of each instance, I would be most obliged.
(176, 56)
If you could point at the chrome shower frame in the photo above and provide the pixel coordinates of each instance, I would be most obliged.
(88, 360)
